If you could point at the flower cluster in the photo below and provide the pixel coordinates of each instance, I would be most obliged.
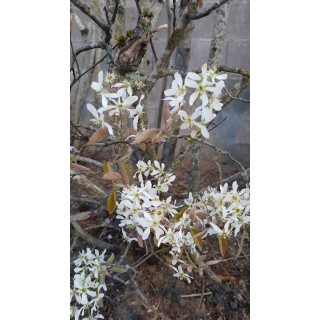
(226, 209)
(142, 210)
(88, 285)
(206, 91)
(117, 99)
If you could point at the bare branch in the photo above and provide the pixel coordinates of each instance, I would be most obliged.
(75, 80)
(240, 71)
(205, 12)
(235, 98)
(86, 10)
(90, 161)
(97, 45)
(113, 19)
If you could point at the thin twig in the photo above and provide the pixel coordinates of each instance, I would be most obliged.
(216, 125)
(107, 15)
(205, 12)
(194, 295)
(153, 50)
(235, 98)
(113, 19)
(74, 56)
(90, 161)
(86, 10)
(75, 80)
(149, 256)
(97, 45)
(138, 7)
(174, 15)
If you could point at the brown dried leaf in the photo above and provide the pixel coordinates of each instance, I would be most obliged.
(180, 213)
(112, 202)
(112, 176)
(140, 241)
(142, 146)
(81, 168)
(166, 113)
(212, 262)
(80, 216)
(169, 123)
(224, 277)
(146, 135)
(175, 115)
(100, 134)
(197, 238)
(124, 173)
(107, 167)
(223, 245)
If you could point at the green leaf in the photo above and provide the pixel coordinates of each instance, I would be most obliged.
(118, 270)
(110, 259)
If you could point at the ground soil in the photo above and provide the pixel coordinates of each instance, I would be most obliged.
(155, 287)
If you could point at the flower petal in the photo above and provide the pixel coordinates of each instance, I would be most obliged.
(130, 100)
(93, 110)
(193, 98)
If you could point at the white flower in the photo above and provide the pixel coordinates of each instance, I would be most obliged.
(194, 126)
(125, 87)
(181, 274)
(214, 75)
(238, 224)
(83, 284)
(149, 223)
(99, 117)
(221, 233)
(177, 92)
(120, 105)
(127, 238)
(98, 86)
(201, 87)
(136, 113)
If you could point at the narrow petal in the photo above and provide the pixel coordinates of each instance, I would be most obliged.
(222, 76)
(117, 85)
(100, 77)
(93, 110)
(193, 98)
(193, 76)
(190, 83)
(130, 100)
(183, 115)
(135, 122)
(96, 86)
(104, 100)
(178, 78)
(205, 132)
(184, 126)
(109, 128)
